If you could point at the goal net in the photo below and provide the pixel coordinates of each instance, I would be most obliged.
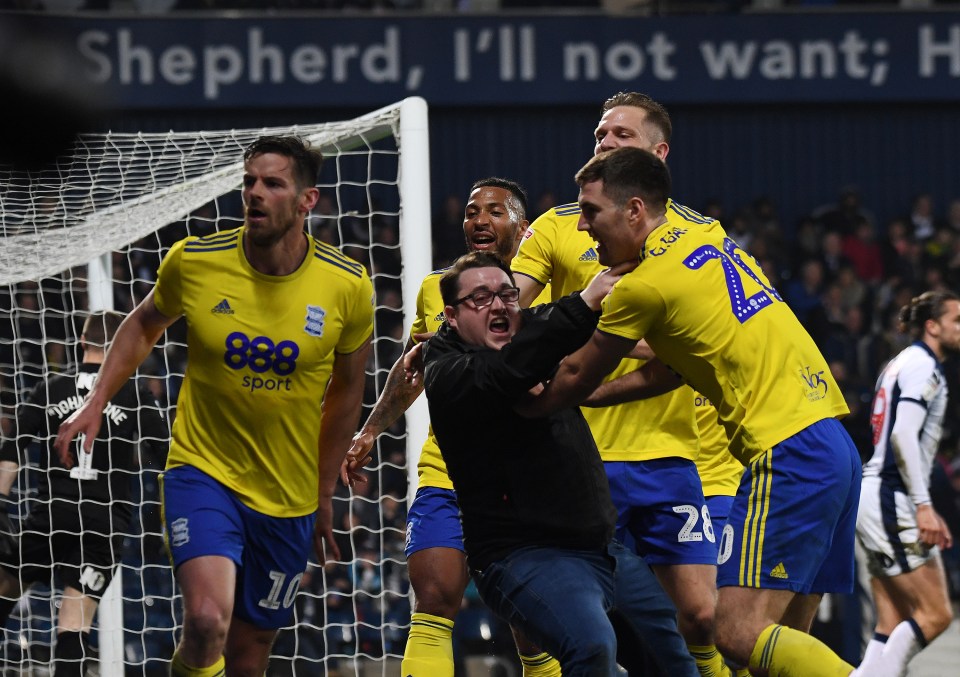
(88, 234)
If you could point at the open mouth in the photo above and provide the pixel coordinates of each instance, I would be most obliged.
(484, 240)
(255, 214)
(500, 325)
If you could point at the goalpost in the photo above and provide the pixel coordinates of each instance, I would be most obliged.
(88, 234)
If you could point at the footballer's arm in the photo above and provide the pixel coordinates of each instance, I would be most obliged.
(652, 379)
(579, 374)
(529, 288)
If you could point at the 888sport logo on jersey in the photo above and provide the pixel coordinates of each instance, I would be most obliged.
(272, 362)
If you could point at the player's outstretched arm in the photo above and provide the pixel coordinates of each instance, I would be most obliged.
(136, 337)
(650, 380)
(578, 375)
(397, 396)
(340, 415)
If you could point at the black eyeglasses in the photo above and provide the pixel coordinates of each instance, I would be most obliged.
(484, 297)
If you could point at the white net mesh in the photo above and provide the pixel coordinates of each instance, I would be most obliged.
(131, 196)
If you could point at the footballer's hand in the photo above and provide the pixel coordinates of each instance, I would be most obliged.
(357, 458)
(603, 282)
(932, 529)
(413, 365)
(323, 538)
(84, 421)
(947, 541)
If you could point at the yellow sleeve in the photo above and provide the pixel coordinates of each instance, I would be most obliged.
(631, 308)
(535, 256)
(420, 321)
(359, 319)
(168, 292)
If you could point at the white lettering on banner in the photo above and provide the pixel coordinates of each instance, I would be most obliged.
(466, 53)
(515, 57)
(261, 61)
(622, 60)
(807, 60)
(930, 50)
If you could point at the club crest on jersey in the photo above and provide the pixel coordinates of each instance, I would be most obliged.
(316, 316)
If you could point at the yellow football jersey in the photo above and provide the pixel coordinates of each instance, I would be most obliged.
(719, 471)
(554, 251)
(431, 470)
(260, 354)
(707, 310)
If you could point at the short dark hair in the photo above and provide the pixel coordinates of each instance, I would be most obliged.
(512, 187)
(100, 327)
(450, 280)
(307, 161)
(930, 305)
(657, 115)
(628, 172)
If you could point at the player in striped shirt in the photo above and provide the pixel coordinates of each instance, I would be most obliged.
(897, 524)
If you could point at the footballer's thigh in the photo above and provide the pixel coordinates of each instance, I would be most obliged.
(436, 562)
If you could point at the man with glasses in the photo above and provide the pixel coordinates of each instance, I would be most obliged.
(541, 553)
(494, 220)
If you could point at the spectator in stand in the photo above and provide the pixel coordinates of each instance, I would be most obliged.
(864, 253)
(831, 254)
(741, 229)
(766, 225)
(853, 291)
(808, 239)
(922, 218)
(802, 294)
(894, 248)
(843, 216)
(953, 216)
(842, 345)
(939, 249)
(713, 209)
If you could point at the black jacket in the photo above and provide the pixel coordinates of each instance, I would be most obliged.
(519, 481)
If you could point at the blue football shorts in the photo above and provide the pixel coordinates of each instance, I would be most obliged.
(202, 517)
(794, 518)
(433, 521)
(720, 507)
(661, 512)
